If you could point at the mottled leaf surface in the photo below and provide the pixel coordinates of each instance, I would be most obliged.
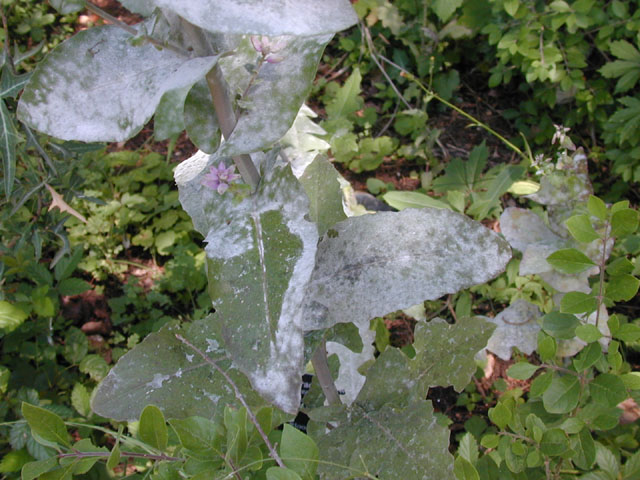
(260, 254)
(272, 98)
(200, 118)
(98, 86)
(516, 327)
(445, 353)
(163, 371)
(265, 17)
(387, 431)
(371, 265)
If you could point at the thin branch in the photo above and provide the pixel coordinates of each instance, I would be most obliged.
(321, 367)
(147, 456)
(239, 396)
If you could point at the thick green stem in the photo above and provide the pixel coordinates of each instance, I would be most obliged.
(222, 103)
(321, 367)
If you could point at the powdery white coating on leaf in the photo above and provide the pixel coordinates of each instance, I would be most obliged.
(97, 86)
(162, 371)
(261, 251)
(371, 265)
(445, 353)
(265, 17)
(522, 228)
(349, 379)
(272, 102)
(516, 327)
(302, 143)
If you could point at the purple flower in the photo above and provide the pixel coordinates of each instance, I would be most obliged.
(268, 47)
(220, 177)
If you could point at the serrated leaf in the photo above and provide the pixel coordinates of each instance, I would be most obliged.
(299, 452)
(570, 260)
(468, 448)
(581, 229)
(562, 395)
(163, 371)
(464, 470)
(11, 317)
(95, 366)
(11, 84)
(152, 428)
(320, 182)
(56, 97)
(14, 461)
(433, 342)
(463, 175)
(265, 17)
(264, 247)
(389, 261)
(402, 200)
(607, 461)
(73, 286)
(272, 101)
(76, 345)
(46, 424)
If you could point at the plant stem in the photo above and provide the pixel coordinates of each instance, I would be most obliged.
(411, 77)
(321, 367)
(147, 456)
(239, 396)
(222, 102)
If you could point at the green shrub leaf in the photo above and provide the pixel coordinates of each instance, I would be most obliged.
(46, 424)
(570, 260)
(153, 429)
(562, 395)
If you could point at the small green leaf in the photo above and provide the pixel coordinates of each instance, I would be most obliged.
(33, 470)
(468, 448)
(562, 395)
(572, 425)
(608, 390)
(554, 442)
(73, 286)
(624, 222)
(8, 139)
(198, 434)
(464, 470)
(597, 207)
(578, 302)
(588, 333)
(95, 366)
(153, 429)
(5, 375)
(606, 460)
(631, 380)
(622, 288)
(588, 357)
(585, 449)
(560, 325)
(490, 441)
(547, 346)
(81, 400)
(299, 452)
(522, 370)
(628, 332)
(68, 6)
(277, 473)
(620, 266)
(500, 415)
(14, 461)
(581, 229)
(46, 424)
(11, 317)
(570, 260)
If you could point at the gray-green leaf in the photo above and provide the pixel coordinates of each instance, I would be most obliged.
(97, 86)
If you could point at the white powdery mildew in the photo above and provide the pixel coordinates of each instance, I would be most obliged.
(266, 17)
(516, 327)
(158, 380)
(275, 97)
(122, 83)
(388, 261)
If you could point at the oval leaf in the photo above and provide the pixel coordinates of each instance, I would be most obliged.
(46, 424)
(371, 265)
(153, 429)
(97, 86)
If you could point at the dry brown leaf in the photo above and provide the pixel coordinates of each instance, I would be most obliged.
(58, 202)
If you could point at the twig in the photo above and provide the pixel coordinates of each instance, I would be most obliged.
(374, 57)
(321, 367)
(148, 456)
(239, 396)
